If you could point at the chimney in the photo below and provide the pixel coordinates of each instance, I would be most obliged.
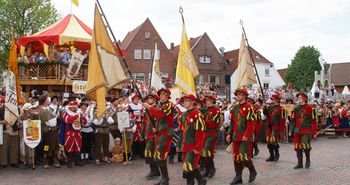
(172, 46)
(222, 51)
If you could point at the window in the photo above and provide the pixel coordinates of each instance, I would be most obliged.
(139, 76)
(147, 35)
(204, 59)
(137, 54)
(213, 79)
(266, 85)
(267, 72)
(147, 54)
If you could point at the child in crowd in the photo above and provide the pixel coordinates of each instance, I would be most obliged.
(117, 153)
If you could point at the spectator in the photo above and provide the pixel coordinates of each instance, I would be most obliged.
(65, 56)
(41, 58)
(86, 60)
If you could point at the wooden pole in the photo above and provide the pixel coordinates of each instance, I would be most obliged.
(119, 51)
(251, 57)
(125, 148)
(33, 159)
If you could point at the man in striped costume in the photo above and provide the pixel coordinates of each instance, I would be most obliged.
(164, 131)
(241, 133)
(212, 116)
(304, 125)
(148, 125)
(193, 141)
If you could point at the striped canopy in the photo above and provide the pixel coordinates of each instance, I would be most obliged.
(69, 30)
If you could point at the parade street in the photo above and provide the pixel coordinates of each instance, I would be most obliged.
(330, 165)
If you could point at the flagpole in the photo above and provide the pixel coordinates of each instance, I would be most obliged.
(122, 56)
(181, 11)
(119, 50)
(251, 57)
(153, 57)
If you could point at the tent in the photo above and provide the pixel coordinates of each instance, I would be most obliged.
(68, 31)
(346, 91)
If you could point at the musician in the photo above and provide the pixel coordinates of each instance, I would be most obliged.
(72, 134)
(102, 136)
(86, 118)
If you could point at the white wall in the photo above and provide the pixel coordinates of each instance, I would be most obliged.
(274, 79)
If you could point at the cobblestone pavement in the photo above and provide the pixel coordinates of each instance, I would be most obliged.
(330, 165)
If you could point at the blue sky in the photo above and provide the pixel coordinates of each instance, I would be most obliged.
(275, 28)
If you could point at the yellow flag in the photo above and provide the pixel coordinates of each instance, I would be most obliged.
(187, 69)
(104, 70)
(244, 74)
(12, 66)
(75, 2)
(22, 50)
(46, 50)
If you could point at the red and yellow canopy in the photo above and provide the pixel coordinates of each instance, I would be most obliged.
(69, 30)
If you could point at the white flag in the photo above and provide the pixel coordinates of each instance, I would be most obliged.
(244, 73)
(75, 64)
(156, 79)
(11, 104)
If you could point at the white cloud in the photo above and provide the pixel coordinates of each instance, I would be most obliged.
(276, 28)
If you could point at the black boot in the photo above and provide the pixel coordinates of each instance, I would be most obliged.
(179, 157)
(272, 155)
(205, 161)
(300, 159)
(211, 166)
(307, 162)
(199, 177)
(171, 160)
(154, 171)
(78, 161)
(189, 176)
(238, 169)
(256, 149)
(70, 160)
(201, 164)
(164, 171)
(277, 153)
(249, 164)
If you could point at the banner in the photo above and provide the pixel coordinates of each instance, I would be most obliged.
(32, 132)
(74, 64)
(79, 87)
(245, 74)
(156, 79)
(105, 70)
(123, 119)
(11, 104)
(186, 70)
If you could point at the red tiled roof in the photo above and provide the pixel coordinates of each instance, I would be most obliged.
(193, 42)
(130, 36)
(232, 56)
(340, 74)
(282, 72)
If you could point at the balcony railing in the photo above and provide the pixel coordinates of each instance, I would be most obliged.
(48, 70)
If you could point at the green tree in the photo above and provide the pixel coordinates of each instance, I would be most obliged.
(24, 17)
(301, 73)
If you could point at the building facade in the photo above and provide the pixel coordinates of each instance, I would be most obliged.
(213, 69)
(139, 49)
